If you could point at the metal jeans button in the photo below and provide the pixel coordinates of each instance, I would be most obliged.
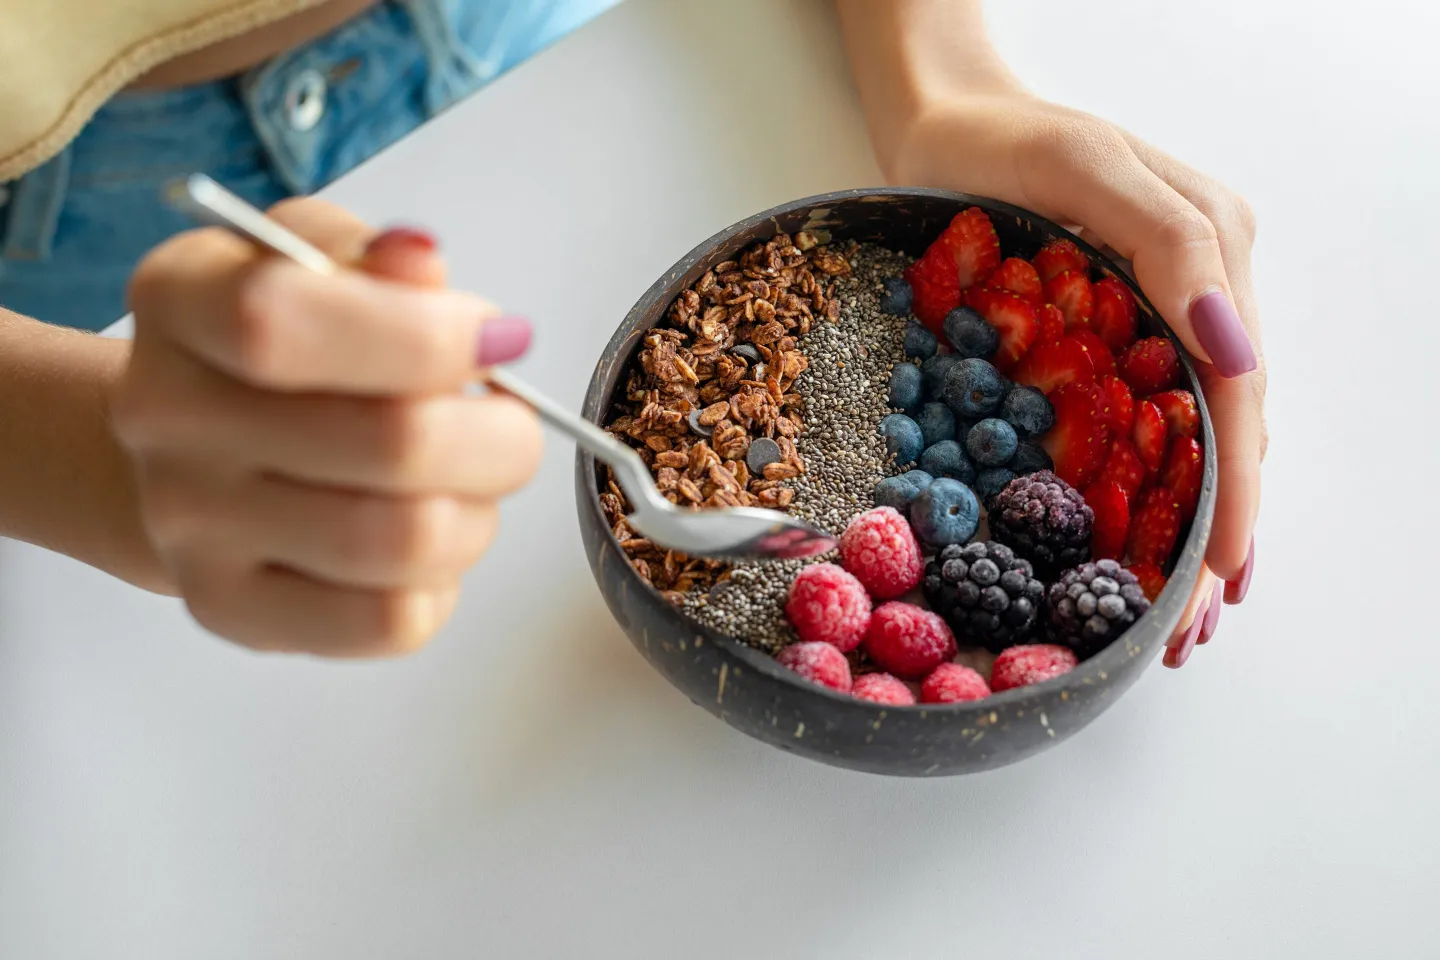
(305, 100)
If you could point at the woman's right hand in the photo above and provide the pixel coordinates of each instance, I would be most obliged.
(309, 470)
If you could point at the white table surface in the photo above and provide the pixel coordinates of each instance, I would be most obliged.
(527, 787)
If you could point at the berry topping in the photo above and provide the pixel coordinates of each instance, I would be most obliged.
(1092, 605)
(1114, 317)
(907, 640)
(972, 244)
(945, 512)
(1026, 664)
(1051, 365)
(1070, 291)
(1058, 256)
(903, 439)
(904, 386)
(1149, 434)
(1112, 519)
(989, 482)
(991, 443)
(948, 459)
(1018, 276)
(1044, 520)
(1151, 577)
(987, 594)
(973, 388)
(1077, 443)
(1012, 315)
(1154, 525)
(937, 422)
(1118, 406)
(1182, 416)
(953, 683)
(1029, 458)
(970, 334)
(899, 490)
(1150, 365)
(936, 287)
(882, 688)
(819, 663)
(933, 371)
(828, 605)
(919, 343)
(1123, 467)
(1052, 324)
(1027, 410)
(1102, 361)
(897, 298)
(1183, 473)
(880, 550)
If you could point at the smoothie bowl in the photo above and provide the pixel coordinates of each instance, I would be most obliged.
(1007, 439)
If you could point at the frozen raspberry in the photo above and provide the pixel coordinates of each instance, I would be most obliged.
(828, 605)
(882, 688)
(908, 641)
(880, 549)
(1023, 665)
(953, 683)
(819, 663)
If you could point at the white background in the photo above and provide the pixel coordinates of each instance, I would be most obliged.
(528, 788)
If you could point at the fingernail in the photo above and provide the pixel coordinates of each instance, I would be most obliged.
(1212, 613)
(1236, 589)
(410, 239)
(1175, 657)
(503, 339)
(1218, 328)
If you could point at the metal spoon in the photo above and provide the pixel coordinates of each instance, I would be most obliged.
(733, 532)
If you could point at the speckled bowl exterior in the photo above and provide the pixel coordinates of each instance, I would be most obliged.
(748, 689)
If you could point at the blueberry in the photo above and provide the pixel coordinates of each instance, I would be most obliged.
(992, 443)
(899, 490)
(919, 342)
(905, 386)
(989, 483)
(1029, 458)
(898, 298)
(937, 422)
(945, 512)
(932, 374)
(970, 334)
(902, 436)
(947, 459)
(1027, 410)
(973, 388)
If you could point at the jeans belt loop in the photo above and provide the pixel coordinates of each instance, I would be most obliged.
(455, 71)
(33, 211)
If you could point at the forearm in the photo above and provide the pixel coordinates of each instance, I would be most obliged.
(908, 54)
(64, 482)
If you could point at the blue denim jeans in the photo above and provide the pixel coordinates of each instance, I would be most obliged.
(72, 230)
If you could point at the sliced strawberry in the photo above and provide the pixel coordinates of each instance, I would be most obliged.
(1077, 441)
(1183, 472)
(936, 286)
(1011, 314)
(1123, 467)
(1112, 519)
(1149, 434)
(1058, 256)
(1119, 405)
(1017, 276)
(1151, 577)
(1050, 365)
(1070, 291)
(1150, 365)
(1100, 357)
(1114, 316)
(973, 246)
(1154, 525)
(1052, 324)
(1182, 416)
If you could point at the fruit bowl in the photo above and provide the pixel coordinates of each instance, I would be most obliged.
(746, 687)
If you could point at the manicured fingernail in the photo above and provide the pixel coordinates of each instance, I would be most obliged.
(1236, 589)
(410, 239)
(1212, 613)
(1218, 328)
(503, 339)
(1176, 656)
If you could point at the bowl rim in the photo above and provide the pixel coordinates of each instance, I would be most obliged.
(597, 402)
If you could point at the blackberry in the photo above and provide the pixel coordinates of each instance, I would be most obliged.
(1043, 519)
(989, 596)
(1093, 604)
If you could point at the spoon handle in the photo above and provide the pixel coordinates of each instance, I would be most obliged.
(206, 201)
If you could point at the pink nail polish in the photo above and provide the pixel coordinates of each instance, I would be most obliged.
(1212, 613)
(410, 239)
(502, 340)
(1236, 589)
(1218, 328)
(1175, 657)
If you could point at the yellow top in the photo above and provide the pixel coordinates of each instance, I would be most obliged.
(60, 60)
